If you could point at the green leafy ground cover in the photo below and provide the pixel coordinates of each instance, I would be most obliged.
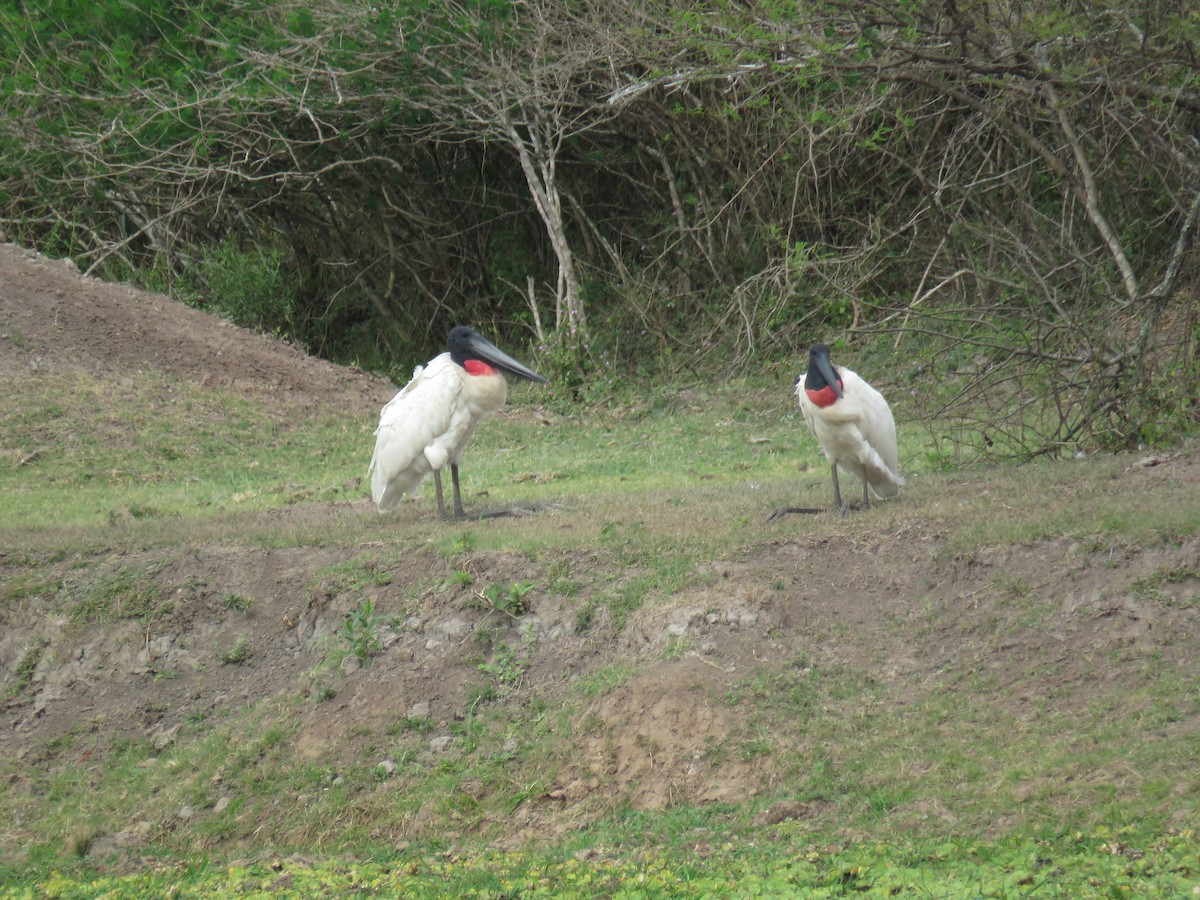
(1100, 865)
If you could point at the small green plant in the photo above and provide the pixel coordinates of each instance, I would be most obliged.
(238, 654)
(236, 602)
(678, 647)
(507, 667)
(419, 724)
(353, 575)
(1153, 588)
(510, 600)
(125, 594)
(479, 694)
(360, 631)
(23, 674)
(458, 545)
(460, 578)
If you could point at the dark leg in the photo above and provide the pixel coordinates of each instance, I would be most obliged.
(866, 499)
(837, 502)
(837, 491)
(458, 510)
(492, 514)
(437, 480)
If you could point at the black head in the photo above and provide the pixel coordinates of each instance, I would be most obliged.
(467, 344)
(821, 373)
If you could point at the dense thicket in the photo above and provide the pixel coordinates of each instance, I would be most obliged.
(1011, 188)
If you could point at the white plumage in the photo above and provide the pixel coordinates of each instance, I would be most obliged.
(852, 423)
(430, 422)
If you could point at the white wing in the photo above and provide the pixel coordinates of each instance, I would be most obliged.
(410, 439)
(879, 430)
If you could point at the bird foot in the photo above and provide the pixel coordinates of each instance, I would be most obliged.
(852, 507)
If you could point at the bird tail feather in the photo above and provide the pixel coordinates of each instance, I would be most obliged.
(881, 477)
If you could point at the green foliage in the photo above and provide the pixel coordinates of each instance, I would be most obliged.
(22, 675)
(460, 578)
(506, 667)
(353, 575)
(333, 173)
(250, 287)
(237, 602)
(510, 600)
(238, 654)
(127, 593)
(360, 632)
(1103, 863)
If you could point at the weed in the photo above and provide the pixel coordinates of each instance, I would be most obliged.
(236, 602)
(23, 674)
(418, 724)
(507, 666)
(602, 681)
(461, 578)
(125, 594)
(678, 647)
(510, 600)
(459, 545)
(1153, 587)
(479, 694)
(360, 631)
(238, 654)
(585, 616)
(353, 576)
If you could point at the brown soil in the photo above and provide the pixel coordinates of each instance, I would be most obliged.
(907, 614)
(66, 322)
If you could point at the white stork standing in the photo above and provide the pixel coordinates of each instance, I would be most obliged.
(852, 423)
(433, 418)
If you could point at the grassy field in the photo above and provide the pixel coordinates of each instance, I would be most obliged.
(860, 771)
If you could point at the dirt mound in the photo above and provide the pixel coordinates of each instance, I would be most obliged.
(232, 626)
(52, 318)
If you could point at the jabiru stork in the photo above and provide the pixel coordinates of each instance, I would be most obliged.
(854, 426)
(433, 418)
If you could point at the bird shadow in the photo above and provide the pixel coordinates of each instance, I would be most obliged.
(527, 509)
(781, 511)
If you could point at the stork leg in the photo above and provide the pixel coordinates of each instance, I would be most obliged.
(493, 514)
(458, 510)
(437, 481)
(837, 491)
(866, 499)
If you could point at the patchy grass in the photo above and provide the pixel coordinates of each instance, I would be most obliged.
(1098, 864)
(937, 779)
(84, 452)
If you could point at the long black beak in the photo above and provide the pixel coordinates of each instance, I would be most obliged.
(470, 344)
(819, 359)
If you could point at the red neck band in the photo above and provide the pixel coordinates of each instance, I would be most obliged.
(478, 367)
(824, 397)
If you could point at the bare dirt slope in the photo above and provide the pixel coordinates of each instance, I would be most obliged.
(912, 618)
(64, 321)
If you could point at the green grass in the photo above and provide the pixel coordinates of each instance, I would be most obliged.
(1098, 864)
(955, 792)
(134, 451)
